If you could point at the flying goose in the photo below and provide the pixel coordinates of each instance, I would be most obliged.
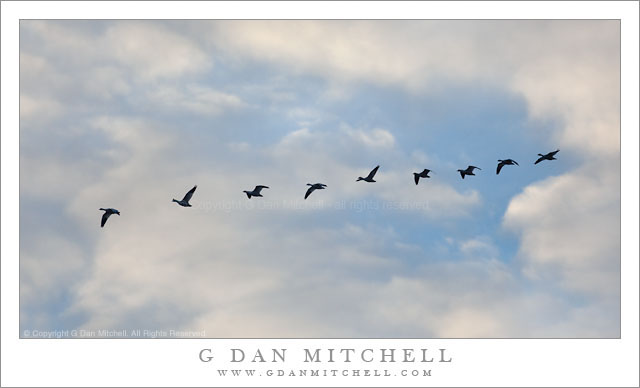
(185, 201)
(504, 163)
(468, 171)
(369, 177)
(313, 187)
(255, 192)
(549, 156)
(423, 174)
(107, 212)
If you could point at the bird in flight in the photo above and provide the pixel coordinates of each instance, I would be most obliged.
(549, 156)
(185, 201)
(423, 174)
(468, 171)
(313, 187)
(255, 192)
(369, 177)
(504, 163)
(107, 212)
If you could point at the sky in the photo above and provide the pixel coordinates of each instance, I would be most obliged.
(131, 114)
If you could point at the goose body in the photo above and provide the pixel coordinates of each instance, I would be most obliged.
(255, 192)
(423, 174)
(313, 187)
(468, 171)
(505, 162)
(185, 201)
(369, 177)
(549, 156)
(107, 213)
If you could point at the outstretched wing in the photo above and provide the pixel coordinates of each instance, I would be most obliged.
(259, 188)
(189, 194)
(472, 167)
(461, 173)
(309, 191)
(540, 159)
(552, 154)
(416, 177)
(105, 217)
(373, 172)
(514, 162)
(500, 165)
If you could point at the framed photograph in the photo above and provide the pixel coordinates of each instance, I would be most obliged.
(320, 194)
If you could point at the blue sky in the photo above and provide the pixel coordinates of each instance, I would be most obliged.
(130, 114)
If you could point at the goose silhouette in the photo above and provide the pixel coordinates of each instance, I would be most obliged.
(255, 192)
(549, 156)
(369, 177)
(107, 213)
(468, 171)
(504, 163)
(314, 187)
(423, 174)
(185, 201)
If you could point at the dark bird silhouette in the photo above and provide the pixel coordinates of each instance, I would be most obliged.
(185, 201)
(549, 156)
(369, 177)
(313, 187)
(468, 171)
(256, 191)
(423, 174)
(107, 213)
(504, 163)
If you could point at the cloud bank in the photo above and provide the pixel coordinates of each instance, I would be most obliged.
(130, 114)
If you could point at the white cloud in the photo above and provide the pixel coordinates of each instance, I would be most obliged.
(305, 117)
(565, 70)
(295, 139)
(192, 98)
(44, 266)
(194, 271)
(154, 51)
(479, 245)
(60, 87)
(570, 230)
(487, 300)
(41, 109)
(239, 146)
(376, 138)
(72, 63)
(484, 301)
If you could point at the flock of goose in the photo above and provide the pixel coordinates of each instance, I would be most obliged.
(321, 186)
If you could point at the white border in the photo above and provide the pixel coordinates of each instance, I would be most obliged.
(175, 362)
